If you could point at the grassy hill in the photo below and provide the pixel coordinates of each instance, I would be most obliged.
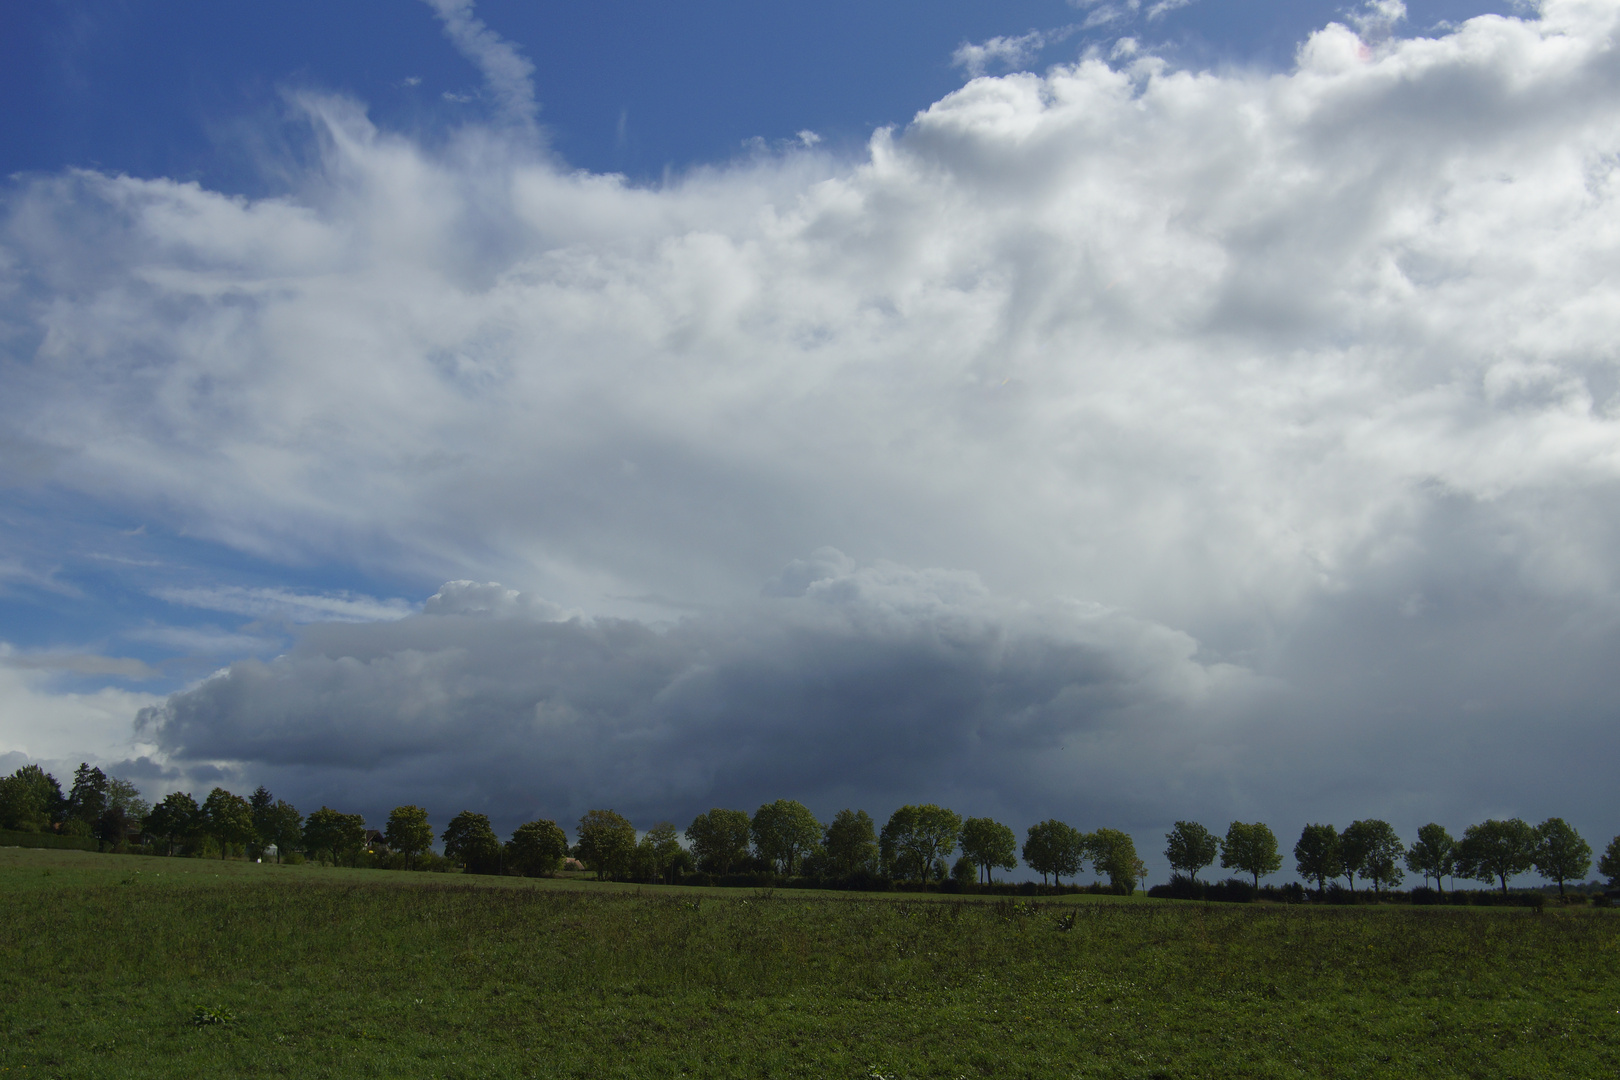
(108, 963)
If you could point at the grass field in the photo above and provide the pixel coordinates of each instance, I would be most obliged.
(105, 962)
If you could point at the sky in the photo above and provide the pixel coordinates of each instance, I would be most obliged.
(1117, 412)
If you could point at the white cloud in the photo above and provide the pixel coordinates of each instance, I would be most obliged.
(45, 723)
(203, 640)
(1003, 52)
(1254, 357)
(78, 663)
(506, 71)
(285, 605)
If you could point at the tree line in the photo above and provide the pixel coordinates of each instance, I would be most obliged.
(1492, 851)
(781, 838)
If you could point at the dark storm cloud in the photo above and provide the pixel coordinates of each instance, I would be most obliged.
(844, 681)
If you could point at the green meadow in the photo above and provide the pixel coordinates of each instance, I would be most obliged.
(125, 966)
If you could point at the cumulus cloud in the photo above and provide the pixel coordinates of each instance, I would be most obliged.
(1312, 371)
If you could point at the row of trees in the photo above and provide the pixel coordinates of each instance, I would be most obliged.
(97, 805)
(1492, 851)
(916, 844)
(784, 837)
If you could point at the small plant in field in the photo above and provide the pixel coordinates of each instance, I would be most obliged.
(205, 1016)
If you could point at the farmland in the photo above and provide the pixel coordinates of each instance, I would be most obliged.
(119, 966)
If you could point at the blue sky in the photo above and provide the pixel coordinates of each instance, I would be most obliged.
(1208, 412)
(185, 89)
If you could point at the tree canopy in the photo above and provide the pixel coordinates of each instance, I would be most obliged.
(327, 830)
(1190, 847)
(537, 848)
(228, 819)
(1251, 848)
(1434, 855)
(1372, 849)
(408, 832)
(915, 837)
(1316, 855)
(782, 831)
(719, 839)
(175, 820)
(851, 843)
(1609, 865)
(1561, 854)
(1114, 853)
(990, 845)
(1052, 847)
(607, 843)
(88, 797)
(29, 799)
(470, 840)
(1496, 850)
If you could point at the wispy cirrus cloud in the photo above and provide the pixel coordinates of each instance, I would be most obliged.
(977, 58)
(285, 605)
(507, 72)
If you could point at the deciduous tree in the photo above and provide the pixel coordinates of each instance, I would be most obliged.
(324, 833)
(916, 837)
(1377, 852)
(1434, 854)
(29, 799)
(782, 831)
(719, 839)
(664, 845)
(1114, 853)
(607, 843)
(175, 820)
(851, 842)
(1190, 847)
(1496, 850)
(470, 840)
(1251, 848)
(228, 819)
(1316, 855)
(990, 845)
(1561, 854)
(1609, 865)
(1051, 847)
(537, 847)
(282, 828)
(408, 832)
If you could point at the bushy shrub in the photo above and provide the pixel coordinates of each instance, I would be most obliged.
(1231, 891)
(1179, 887)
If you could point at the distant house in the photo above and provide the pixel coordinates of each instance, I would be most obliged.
(375, 841)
